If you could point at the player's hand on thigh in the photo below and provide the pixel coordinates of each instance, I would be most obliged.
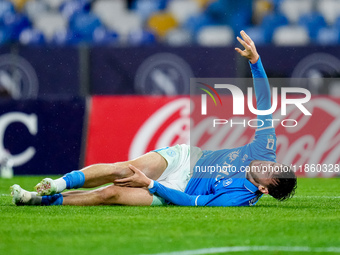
(137, 180)
(249, 51)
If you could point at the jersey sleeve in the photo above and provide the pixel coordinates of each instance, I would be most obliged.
(262, 93)
(180, 198)
(264, 145)
(173, 196)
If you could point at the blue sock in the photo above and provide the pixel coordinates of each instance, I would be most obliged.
(56, 199)
(74, 180)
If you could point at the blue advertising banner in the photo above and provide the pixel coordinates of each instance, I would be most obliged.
(42, 136)
(5, 49)
(39, 71)
(300, 61)
(166, 71)
(319, 66)
(32, 72)
(156, 70)
(56, 69)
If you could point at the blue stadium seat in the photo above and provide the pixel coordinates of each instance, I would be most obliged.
(258, 35)
(328, 36)
(15, 23)
(147, 7)
(158, 4)
(4, 35)
(236, 14)
(103, 36)
(83, 25)
(271, 22)
(337, 22)
(195, 23)
(142, 37)
(313, 22)
(31, 36)
(6, 7)
(64, 37)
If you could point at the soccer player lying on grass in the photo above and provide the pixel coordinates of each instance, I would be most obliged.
(164, 176)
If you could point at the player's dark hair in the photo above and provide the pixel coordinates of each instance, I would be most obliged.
(285, 186)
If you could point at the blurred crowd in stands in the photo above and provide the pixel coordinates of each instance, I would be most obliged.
(170, 22)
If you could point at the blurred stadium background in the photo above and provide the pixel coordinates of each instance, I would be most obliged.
(169, 22)
(83, 81)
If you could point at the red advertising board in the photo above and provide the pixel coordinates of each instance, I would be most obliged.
(122, 128)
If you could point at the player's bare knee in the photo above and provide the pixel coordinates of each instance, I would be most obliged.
(109, 194)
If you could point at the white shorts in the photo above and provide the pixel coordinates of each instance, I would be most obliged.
(181, 160)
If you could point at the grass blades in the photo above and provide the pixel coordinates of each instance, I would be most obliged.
(310, 219)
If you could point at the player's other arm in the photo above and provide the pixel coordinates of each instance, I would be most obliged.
(261, 84)
(180, 198)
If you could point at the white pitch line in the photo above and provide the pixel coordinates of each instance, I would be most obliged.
(317, 196)
(5, 195)
(297, 196)
(251, 248)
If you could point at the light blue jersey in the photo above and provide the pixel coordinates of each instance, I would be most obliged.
(230, 187)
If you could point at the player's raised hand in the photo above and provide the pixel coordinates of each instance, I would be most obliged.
(249, 51)
(137, 180)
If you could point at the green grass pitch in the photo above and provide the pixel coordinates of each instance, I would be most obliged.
(310, 220)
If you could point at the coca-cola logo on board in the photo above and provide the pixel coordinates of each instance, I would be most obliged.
(168, 126)
(315, 140)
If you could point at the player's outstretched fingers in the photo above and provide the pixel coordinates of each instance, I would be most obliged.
(239, 51)
(246, 37)
(249, 51)
(244, 44)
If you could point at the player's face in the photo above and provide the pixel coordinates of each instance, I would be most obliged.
(263, 171)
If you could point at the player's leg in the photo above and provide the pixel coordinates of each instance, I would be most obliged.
(74, 192)
(152, 164)
(109, 195)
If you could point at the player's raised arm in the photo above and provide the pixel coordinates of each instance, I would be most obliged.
(261, 84)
